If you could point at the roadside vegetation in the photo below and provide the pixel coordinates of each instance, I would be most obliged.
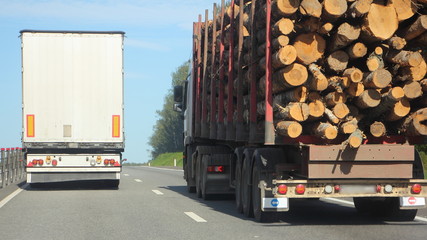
(422, 149)
(166, 159)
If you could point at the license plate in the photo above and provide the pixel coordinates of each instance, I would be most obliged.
(358, 189)
(275, 203)
(412, 202)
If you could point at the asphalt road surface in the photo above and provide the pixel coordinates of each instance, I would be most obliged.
(152, 203)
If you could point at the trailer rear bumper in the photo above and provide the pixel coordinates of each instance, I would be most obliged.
(71, 174)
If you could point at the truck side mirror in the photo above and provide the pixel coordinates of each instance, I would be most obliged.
(177, 107)
(177, 94)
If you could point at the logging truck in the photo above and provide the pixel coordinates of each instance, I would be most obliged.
(308, 99)
(72, 111)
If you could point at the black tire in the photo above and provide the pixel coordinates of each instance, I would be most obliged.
(238, 185)
(203, 173)
(259, 215)
(114, 184)
(364, 205)
(191, 188)
(246, 188)
(394, 213)
(198, 187)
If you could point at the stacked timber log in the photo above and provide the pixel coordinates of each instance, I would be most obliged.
(341, 69)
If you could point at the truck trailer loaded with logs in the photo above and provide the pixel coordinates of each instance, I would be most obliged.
(308, 99)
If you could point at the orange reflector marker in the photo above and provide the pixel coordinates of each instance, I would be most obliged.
(116, 126)
(416, 188)
(300, 189)
(30, 125)
(282, 189)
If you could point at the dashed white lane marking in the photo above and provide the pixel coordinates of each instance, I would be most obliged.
(12, 195)
(126, 175)
(195, 217)
(167, 169)
(157, 192)
(420, 219)
(138, 180)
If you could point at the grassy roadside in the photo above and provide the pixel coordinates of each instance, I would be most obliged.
(166, 159)
(424, 158)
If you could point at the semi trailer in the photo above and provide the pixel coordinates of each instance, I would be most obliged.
(72, 106)
(269, 115)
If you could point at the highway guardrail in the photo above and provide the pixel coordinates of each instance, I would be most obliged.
(12, 166)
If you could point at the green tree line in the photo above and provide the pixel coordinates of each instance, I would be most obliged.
(167, 132)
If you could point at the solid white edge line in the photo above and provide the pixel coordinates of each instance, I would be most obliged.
(168, 169)
(157, 192)
(137, 180)
(417, 218)
(12, 195)
(195, 217)
(126, 175)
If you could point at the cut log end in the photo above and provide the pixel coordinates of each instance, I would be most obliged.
(377, 129)
(310, 47)
(290, 129)
(326, 131)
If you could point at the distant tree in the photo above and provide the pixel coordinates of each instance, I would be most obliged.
(167, 132)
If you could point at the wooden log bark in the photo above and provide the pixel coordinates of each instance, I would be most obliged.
(285, 7)
(293, 111)
(333, 9)
(417, 28)
(355, 139)
(298, 94)
(291, 76)
(377, 129)
(310, 47)
(375, 61)
(412, 73)
(311, 8)
(338, 61)
(399, 110)
(359, 8)
(317, 109)
(340, 110)
(368, 99)
(331, 116)
(348, 127)
(357, 50)
(424, 85)
(325, 130)
(388, 100)
(397, 43)
(326, 28)
(333, 98)
(355, 89)
(282, 27)
(412, 89)
(354, 74)
(338, 84)
(415, 124)
(405, 9)
(277, 43)
(283, 57)
(378, 79)
(344, 36)
(380, 23)
(404, 58)
(290, 129)
(317, 81)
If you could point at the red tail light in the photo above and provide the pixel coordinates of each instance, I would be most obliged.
(337, 188)
(416, 188)
(35, 162)
(378, 188)
(106, 161)
(216, 169)
(282, 189)
(40, 162)
(300, 189)
(112, 161)
(54, 162)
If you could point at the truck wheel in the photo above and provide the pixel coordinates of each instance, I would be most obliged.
(394, 213)
(260, 216)
(203, 177)
(246, 187)
(198, 188)
(364, 205)
(238, 185)
(191, 188)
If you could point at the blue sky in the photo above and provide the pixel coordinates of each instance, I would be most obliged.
(158, 40)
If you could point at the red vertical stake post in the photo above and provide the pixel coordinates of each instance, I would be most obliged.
(205, 126)
(241, 134)
(269, 127)
(195, 72)
(230, 103)
(221, 127)
(198, 81)
(213, 78)
(253, 80)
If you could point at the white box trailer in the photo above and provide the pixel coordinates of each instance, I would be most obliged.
(72, 112)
